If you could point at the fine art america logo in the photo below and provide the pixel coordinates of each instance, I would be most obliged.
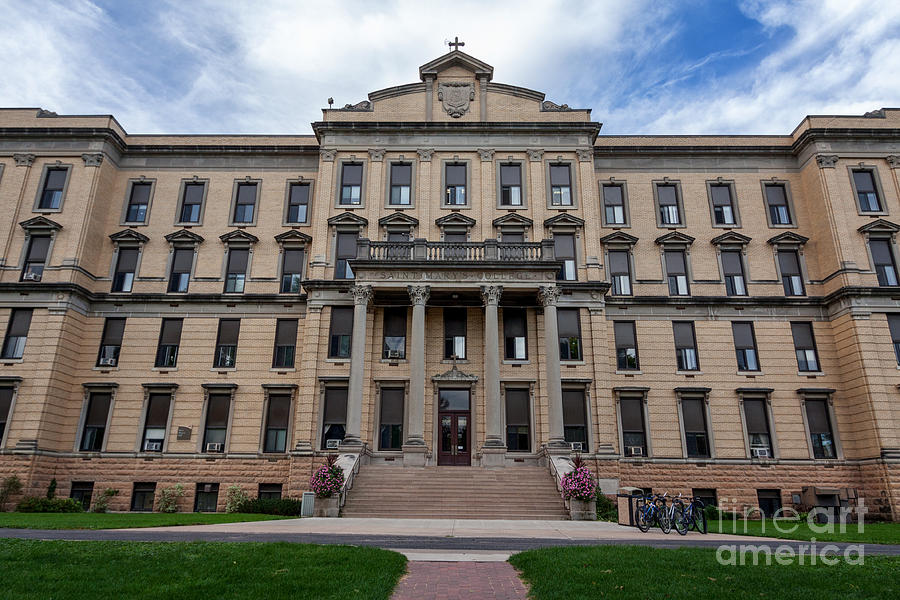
(821, 520)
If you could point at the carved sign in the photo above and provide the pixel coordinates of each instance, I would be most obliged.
(455, 97)
(451, 276)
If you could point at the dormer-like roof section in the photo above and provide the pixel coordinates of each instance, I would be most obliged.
(456, 58)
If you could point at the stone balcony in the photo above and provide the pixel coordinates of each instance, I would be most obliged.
(421, 251)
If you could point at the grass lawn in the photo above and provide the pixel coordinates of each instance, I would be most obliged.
(638, 572)
(121, 521)
(874, 533)
(46, 570)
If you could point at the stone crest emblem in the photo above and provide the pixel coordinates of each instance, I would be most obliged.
(455, 97)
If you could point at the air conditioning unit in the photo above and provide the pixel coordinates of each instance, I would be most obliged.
(107, 362)
(332, 444)
(153, 446)
(31, 277)
(759, 452)
(634, 450)
(576, 446)
(215, 447)
(394, 354)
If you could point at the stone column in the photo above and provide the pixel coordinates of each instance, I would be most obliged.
(548, 295)
(494, 446)
(361, 296)
(414, 448)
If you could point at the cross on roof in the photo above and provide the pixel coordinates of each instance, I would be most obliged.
(455, 44)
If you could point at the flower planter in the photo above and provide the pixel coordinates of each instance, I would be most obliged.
(582, 510)
(327, 507)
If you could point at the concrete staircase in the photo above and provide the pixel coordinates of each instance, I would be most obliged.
(454, 493)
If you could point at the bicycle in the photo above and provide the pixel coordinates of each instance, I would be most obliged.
(649, 512)
(692, 515)
(676, 515)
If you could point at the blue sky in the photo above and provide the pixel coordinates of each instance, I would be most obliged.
(644, 67)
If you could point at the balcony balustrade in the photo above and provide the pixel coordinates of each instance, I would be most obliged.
(423, 251)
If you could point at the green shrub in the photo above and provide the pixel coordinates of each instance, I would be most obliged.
(234, 496)
(10, 486)
(51, 489)
(607, 509)
(101, 502)
(33, 504)
(168, 498)
(288, 507)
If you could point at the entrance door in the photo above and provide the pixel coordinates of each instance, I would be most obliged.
(454, 428)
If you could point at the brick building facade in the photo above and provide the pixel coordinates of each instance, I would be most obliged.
(454, 271)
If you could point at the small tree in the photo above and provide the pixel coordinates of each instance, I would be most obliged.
(235, 496)
(9, 487)
(168, 498)
(101, 503)
(328, 479)
(51, 489)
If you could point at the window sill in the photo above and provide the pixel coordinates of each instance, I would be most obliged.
(241, 225)
(459, 361)
(867, 213)
(349, 206)
(165, 369)
(116, 368)
(811, 373)
(286, 224)
(572, 363)
(560, 207)
(338, 360)
(782, 226)
(750, 373)
(135, 224)
(629, 372)
(12, 361)
(188, 224)
(510, 207)
(456, 207)
(727, 226)
(670, 226)
(388, 361)
(516, 361)
(283, 370)
(689, 372)
(223, 369)
(46, 210)
(399, 206)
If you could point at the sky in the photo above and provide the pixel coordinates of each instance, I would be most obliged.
(269, 66)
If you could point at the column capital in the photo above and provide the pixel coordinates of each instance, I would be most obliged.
(419, 294)
(491, 294)
(361, 294)
(548, 295)
(23, 160)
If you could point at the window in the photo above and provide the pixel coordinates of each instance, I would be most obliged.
(560, 185)
(298, 203)
(285, 343)
(269, 491)
(6, 396)
(351, 184)
(620, 272)
(216, 430)
(866, 191)
(820, 431)
(564, 250)
(626, 346)
(17, 333)
(334, 415)
(706, 495)
(111, 342)
(236, 271)
(192, 203)
(883, 259)
(345, 251)
(169, 340)
(54, 186)
(226, 343)
(518, 421)
(685, 346)
(805, 347)
(515, 341)
(696, 440)
(669, 209)
(776, 200)
(722, 204)
(206, 498)
(390, 434)
(180, 277)
(757, 428)
(402, 249)
(733, 269)
(455, 178)
(142, 497)
(769, 502)
(138, 202)
(95, 421)
(36, 258)
(455, 333)
(745, 346)
(245, 204)
(569, 334)
(156, 422)
(81, 492)
(676, 272)
(894, 325)
(401, 184)
(511, 185)
(614, 205)
(292, 270)
(394, 346)
(791, 278)
(574, 417)
(123, 278)
(278, 413)
(634, 437)
(340, 332)
(456, 245)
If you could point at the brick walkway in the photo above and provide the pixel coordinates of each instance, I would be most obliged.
(460, 581)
